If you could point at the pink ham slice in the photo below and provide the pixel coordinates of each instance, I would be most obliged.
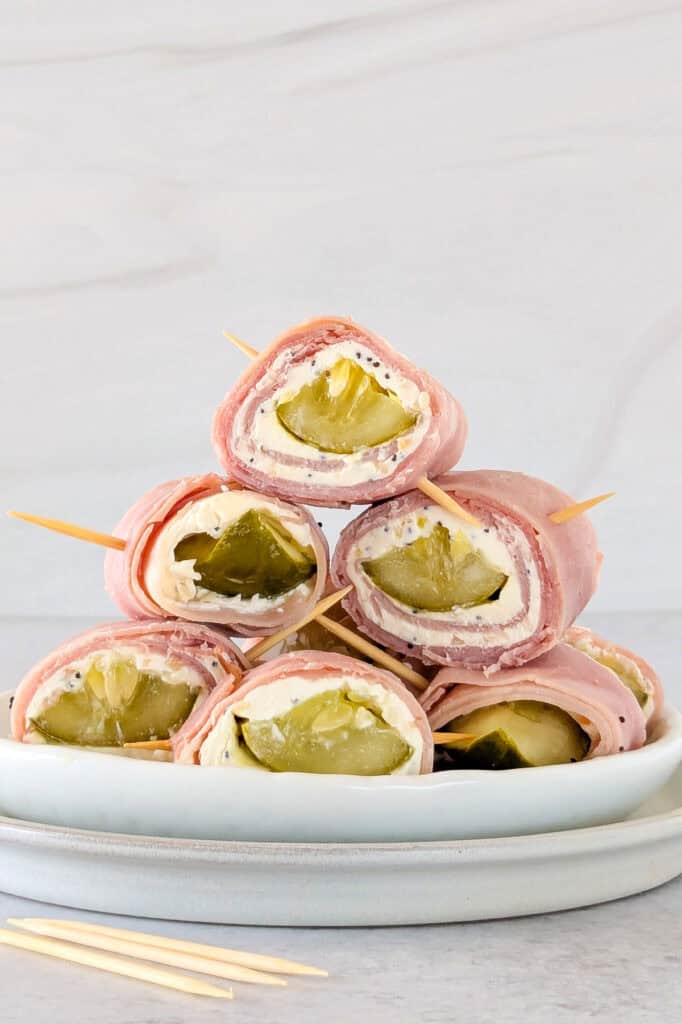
(563, 560)
(287, 475)
(564, 677)
(208, 651)
(314, 665)
(125, 571)
(587, 641)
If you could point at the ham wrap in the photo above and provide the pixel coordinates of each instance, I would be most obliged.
(124, 682)
(429, 584)
(562, 707)
(311, 711)
(331, 415)
(632, 670)
(207, 550)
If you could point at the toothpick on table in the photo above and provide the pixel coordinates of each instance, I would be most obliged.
(264, 645)
(571, 511)
(258, 961)
(71, 530)
(112, 964)
(142, 951)
(373, 652)
(425, 485)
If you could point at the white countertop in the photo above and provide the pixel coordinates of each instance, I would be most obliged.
(621, 959)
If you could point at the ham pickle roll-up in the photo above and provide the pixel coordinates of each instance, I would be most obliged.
(311, 712)
(562, 707)
(431, 585)
(331, 415)
(209, 551)
(633, 671)
(124, 682)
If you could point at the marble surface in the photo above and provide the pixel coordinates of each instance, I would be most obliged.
(493, 186)
(620, 960)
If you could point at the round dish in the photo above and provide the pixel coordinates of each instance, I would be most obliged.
(355, 885)
(68, 786)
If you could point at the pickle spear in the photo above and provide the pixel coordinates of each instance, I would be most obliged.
(116, 704)
(517, 734)
(255, 556)
(332, 732)
(436, 573)
(343, 410)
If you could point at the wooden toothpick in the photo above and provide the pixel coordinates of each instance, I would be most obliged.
(376, 654)
(105, 540)
(264, 645)
(450, 737)
(571, 511)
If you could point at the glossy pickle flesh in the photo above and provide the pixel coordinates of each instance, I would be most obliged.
(436, 573)
(345, 410)
(255, 557)
(116, 704)
(516, 734)
(332, 732)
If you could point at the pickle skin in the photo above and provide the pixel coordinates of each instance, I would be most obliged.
(552, 737)
(345, 410)
(254, 557)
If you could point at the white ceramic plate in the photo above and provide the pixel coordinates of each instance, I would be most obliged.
(318, 885)
(85, 789)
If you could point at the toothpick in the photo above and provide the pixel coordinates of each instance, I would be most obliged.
(112, 964)
(374, 652)
(72, 530)
(248, 350)
(258, 961)
(449, 737)
(149, 745)
(445, 500)
(261, 648)
(571, 511)
(141, 951)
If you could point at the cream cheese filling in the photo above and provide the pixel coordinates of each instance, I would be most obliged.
(266, 432)
(489, 618)
(72, 677)
(222, 747)
(627, 671)
(174, 585)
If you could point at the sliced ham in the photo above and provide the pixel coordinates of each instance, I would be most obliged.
(315, 666)
(632, 669)
(208, 652)
(564, 677)
(253, 446)
(143, 579)
(552, 571)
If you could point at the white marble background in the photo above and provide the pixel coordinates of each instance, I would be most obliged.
(494, 186)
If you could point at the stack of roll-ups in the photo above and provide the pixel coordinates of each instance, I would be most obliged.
(458, 594)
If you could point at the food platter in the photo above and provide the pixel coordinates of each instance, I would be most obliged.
(72, 787)
(310, 884)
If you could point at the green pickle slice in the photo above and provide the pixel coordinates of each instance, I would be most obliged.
(517, 734)
(116, 705)
(436, 572)
(333, 732)
(343, 410)
(255, 556)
